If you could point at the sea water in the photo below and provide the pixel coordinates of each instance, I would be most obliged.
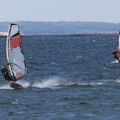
(70, 77)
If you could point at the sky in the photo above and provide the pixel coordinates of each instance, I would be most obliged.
(60, 10)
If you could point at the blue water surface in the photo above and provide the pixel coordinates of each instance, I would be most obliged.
(72, 77)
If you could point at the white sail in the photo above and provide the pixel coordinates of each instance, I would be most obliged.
(119, 42)
(15, 53)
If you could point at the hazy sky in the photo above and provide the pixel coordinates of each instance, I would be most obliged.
(60, 10)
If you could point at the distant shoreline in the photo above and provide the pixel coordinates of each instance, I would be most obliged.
(4, 34)
(74, 34)
(64, 28)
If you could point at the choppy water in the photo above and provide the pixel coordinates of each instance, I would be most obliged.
(69, 78)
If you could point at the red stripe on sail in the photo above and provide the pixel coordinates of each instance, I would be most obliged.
(15, 41)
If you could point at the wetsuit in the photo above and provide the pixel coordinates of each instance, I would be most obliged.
(117, 55)
(6, 73)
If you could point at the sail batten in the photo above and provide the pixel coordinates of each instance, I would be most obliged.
(15, 53)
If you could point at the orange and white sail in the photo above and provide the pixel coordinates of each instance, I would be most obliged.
(15, 53)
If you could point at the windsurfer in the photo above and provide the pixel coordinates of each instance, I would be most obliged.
(117, 55)
(6, 73)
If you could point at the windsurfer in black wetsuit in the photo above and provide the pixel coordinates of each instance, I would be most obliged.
(6, 73)
(117, 55)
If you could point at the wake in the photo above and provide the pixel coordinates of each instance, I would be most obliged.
(48, 83)
(115, 62)
(58, 83)
(5, 86)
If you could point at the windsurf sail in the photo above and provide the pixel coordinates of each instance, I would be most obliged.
(116, 53)
(15, 53)
(119, 41)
